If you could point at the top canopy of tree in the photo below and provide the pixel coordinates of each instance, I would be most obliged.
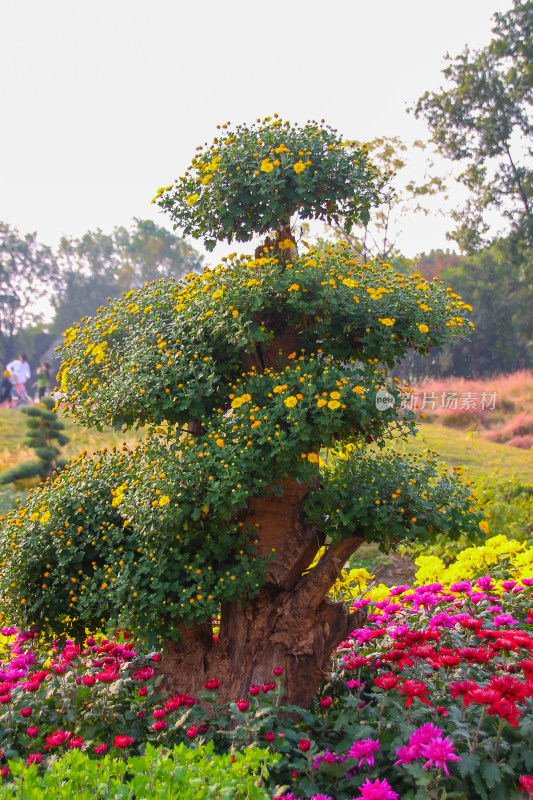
(483, 118)
(253, 179)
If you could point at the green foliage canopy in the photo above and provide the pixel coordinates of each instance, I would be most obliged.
(482, 117)
(155, 536)
(254, 178)
(242, 374)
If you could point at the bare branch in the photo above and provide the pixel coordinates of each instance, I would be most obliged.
(314, 585)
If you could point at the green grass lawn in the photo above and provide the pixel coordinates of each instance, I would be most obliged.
(13, 432)
(455, 447)
(478, 456)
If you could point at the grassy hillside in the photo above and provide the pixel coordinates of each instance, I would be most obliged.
(466, 448)
(13, 432)
(454, 446)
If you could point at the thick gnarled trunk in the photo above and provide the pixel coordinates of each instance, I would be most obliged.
(289, 624)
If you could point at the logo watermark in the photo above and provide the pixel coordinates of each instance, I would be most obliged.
(384, 400)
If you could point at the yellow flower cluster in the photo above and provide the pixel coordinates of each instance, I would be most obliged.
(118, 494)
(237, 402)
(516, 558)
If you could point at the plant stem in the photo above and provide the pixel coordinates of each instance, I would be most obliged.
(474, 743)
(497, 744)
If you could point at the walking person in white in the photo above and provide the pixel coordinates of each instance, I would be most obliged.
(20, 371)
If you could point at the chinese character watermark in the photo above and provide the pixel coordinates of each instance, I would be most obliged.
(449, 401)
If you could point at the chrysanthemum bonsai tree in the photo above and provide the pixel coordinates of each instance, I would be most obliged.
(241, 375)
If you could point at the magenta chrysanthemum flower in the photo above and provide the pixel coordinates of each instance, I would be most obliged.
(364, 750)
(407, 753)
(378, 790)
(424, 734)
(438, 752)
(329, 758)
(505, 619)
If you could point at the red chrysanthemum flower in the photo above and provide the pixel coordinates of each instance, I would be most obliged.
(57, 738)
(506, 710)
(413, 689)
(461, 687)
(510, 688)
(526, 784)
(484, 695)
(386, 681)
(123, 741)
(76, 743)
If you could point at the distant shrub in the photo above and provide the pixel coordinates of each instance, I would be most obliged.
(45, 438)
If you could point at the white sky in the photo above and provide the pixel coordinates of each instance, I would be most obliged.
(103, 102)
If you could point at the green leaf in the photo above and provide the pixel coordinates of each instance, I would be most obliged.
(491, 773)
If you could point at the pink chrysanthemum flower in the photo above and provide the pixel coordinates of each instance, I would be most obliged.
(378, 790)
(438, 752)
(424, 734)
(364, 750)
(407, 753)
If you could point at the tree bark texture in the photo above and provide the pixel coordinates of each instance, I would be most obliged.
(289, 624)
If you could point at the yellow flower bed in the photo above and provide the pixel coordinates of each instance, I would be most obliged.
(497, 554)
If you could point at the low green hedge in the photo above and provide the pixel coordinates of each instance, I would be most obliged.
(185, 772)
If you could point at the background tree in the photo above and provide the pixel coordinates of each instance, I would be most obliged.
(502, 339)
(377, 238)
(482, 118)
(242, 374)
(28, 274)
(99, 266)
